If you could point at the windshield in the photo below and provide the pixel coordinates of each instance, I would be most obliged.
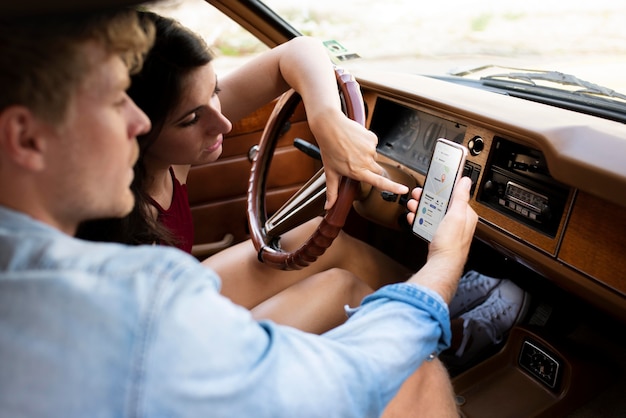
(585, 39)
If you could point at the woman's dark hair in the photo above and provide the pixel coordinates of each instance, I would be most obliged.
(157, 89)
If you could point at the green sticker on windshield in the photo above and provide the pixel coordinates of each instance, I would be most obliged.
(339, 51)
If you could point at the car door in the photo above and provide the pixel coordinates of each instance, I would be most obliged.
(217, 191)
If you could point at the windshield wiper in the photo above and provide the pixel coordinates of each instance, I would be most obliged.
(561, 90)
(579, 86)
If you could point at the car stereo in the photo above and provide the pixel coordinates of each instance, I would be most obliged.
(517, 183)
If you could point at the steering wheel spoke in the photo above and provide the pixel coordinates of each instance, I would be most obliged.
(308, 202)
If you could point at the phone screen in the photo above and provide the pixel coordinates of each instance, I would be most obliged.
(445, 168)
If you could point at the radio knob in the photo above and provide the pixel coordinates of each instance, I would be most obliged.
(492, 188)
(489, 188)
(546, 213)
(476, 145)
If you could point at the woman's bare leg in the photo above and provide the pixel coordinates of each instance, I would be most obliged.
(427, 392)
(248, 282)
(316, 303)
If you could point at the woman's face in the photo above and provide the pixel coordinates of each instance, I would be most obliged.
(194, 130)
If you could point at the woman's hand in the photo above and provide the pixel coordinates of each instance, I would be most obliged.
(348, 149)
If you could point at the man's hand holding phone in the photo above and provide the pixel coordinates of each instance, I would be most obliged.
(445, 169)
(450, 245)
(459, 223)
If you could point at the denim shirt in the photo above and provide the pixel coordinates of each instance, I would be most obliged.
(105, 330)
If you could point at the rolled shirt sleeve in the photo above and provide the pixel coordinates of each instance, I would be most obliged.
(205, 355)
(104, 330)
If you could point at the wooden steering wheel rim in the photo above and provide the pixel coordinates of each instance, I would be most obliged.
(334, 219)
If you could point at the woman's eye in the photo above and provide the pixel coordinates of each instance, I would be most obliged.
(190, 119)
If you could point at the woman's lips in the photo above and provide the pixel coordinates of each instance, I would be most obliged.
(215, 146)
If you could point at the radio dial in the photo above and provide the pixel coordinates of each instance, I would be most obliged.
(488, 188)
(546, 213)
(493, 188)
(476, 145)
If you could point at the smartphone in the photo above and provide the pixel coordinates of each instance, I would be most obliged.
(444, 171)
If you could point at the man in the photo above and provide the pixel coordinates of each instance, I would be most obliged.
(104, 330)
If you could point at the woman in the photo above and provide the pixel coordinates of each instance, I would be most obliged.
(190, 112)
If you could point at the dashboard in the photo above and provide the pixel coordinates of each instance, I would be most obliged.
(548, 190)
(518, 183)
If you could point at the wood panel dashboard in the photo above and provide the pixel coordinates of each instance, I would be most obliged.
(549, 184)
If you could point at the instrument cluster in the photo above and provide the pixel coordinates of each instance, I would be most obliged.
(408, 135)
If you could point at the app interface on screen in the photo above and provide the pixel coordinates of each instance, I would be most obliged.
(437, 189)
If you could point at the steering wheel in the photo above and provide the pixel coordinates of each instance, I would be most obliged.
(306, 203)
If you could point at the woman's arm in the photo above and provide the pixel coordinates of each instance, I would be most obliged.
(347, 148)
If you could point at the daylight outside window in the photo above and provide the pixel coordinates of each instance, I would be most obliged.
(582, 38)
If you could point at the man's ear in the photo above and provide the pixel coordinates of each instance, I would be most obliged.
(22, 138)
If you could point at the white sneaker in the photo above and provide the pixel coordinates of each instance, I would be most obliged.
(486, 324)
(472, 290)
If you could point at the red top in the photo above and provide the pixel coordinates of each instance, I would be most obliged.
(178, 217)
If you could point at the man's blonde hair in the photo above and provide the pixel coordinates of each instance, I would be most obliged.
(41, 63)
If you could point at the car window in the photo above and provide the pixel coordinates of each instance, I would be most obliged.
(230, 43)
